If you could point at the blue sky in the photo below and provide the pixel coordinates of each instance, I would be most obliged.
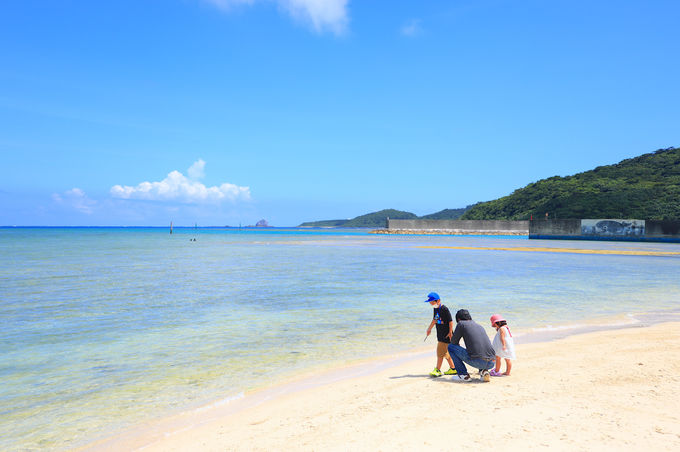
(220, 112)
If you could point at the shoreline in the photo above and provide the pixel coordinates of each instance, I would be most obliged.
(162, 434)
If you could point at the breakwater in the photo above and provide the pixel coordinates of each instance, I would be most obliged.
(455, 227)
(557, 229)
(606, 229)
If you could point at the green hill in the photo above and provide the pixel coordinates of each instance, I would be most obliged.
(379, 219)
(644, 187)
(370, 220)
(446, 214)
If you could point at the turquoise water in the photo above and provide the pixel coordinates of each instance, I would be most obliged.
(103, 328)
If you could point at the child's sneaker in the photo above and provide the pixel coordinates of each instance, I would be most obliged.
(451, 371)
(436, 373)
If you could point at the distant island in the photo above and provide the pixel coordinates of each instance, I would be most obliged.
(645, 187)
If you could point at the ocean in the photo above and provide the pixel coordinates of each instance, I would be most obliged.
(105, 328)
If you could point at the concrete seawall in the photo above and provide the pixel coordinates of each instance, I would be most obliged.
(606, 229)
(568, 229)
(496, 227)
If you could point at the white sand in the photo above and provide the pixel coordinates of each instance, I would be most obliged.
(608, 390)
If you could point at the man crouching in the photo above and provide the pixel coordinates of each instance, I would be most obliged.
(479, 354)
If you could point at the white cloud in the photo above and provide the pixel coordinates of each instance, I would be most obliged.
(322, 15)
(197, 170)
(177, 187)
(75, 199)
(411, 28)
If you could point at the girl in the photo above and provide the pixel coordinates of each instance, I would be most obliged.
(503, 344)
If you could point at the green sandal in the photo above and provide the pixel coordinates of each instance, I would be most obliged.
(436, 373)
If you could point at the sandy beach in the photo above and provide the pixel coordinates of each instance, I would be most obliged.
(613, 390)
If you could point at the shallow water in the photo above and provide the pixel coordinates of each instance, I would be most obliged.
(105, 327)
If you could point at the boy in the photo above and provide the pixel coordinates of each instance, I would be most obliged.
(442, 318)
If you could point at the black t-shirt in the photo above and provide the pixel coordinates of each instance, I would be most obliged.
(442, 316)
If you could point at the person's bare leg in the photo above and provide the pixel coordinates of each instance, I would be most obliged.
(508, 366)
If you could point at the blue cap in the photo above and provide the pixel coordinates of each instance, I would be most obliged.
(432, 296)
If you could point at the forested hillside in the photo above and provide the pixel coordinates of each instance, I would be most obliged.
(446, 214)
(370, 220)
(644, 187)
